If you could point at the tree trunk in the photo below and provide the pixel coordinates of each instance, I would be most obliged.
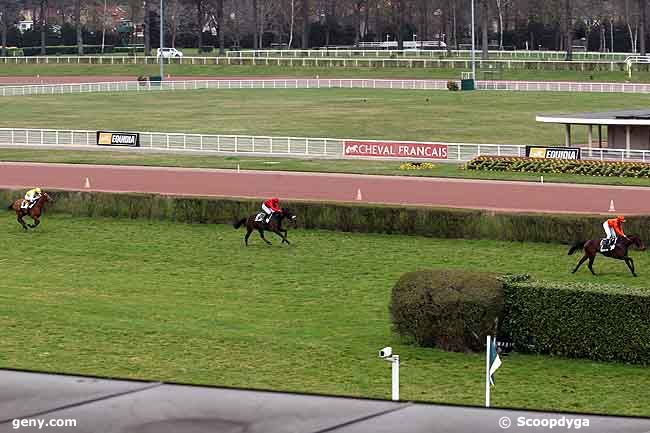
(293, 16)
(642, 23)
(199, 22)
(221, 24)
(255, 25)
(305, 24)
(400, 24)
(79, 28)
(569, 30)
(485, 18)
(43, 23)
(147, 21)
(4, 27)
(357, 23)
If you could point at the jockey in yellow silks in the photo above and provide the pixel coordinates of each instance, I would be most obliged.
(31, 196)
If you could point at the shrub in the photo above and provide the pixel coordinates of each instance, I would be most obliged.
(590, 321)
(206, 49)
(449, 309)
(417, 166)
(580, 166)
(453, 86)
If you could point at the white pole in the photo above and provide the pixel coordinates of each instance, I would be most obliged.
(162, 60)
(395, 371)
(104, 27)
(473, 39)
(487, 372)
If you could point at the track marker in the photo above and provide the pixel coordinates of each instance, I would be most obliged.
(611, 206)
(87, 183)
(237, 168)
(541, 179)
(359, 196)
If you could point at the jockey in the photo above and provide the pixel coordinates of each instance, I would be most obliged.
(612, 228)
(32, 195)
(271, 206)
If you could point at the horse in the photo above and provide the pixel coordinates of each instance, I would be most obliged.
(592, 248)
(274, 225)
(34, 212)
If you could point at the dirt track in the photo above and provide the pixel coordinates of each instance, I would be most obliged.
(490, 195)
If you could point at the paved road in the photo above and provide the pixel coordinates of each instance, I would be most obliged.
(455, 193)
(99, 405)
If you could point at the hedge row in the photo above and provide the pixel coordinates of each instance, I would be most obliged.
(432, 222)
(581, 166)
(590, 321)
(67, 49)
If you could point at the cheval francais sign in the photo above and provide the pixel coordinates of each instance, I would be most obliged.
(396, 149)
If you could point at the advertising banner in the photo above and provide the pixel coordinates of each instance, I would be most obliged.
(105, 138)
(387, 149)
(553, 152)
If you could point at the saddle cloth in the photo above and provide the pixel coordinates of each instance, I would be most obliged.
(604, 246)
(260, 217)
(25, 204)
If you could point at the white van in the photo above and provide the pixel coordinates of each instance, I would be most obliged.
(169, 53)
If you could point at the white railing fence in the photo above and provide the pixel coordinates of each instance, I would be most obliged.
(300, 147)
(135, 86)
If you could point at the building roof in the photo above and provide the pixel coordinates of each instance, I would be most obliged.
(621, 117)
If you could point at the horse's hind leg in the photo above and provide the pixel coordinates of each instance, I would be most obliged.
(36, 223)
(248, 235)
(262, 236)
(21, 221)
(630, 264)
(591, 265)
(283, 236)
(582, 260)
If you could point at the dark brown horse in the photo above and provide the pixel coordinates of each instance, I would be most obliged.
(274, 225)
(592, 248)
(34, 212)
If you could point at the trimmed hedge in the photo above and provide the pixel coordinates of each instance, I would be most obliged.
(422, 221)
(604, 323)
(453, 310)
(541, 165)
(66, 49)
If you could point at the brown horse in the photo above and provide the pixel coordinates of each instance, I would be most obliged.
(592, 248)
(34, 212)
(274, 225)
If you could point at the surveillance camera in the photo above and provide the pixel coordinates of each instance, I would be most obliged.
(386, 352)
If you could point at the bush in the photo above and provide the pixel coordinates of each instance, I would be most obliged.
(580, 166)
(66, 50)
(449, 309)
(453, 86)
(604, 323)
(422, 221)
(417, 166)
(206, 49)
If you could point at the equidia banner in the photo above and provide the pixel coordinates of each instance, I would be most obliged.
(387, 149)
(553, 152)
(105, 138)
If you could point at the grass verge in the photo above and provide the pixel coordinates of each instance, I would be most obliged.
(160, 300)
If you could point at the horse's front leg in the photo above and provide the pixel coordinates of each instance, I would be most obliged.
(630, 264)
(36, 223)
(591, 265)
(283, 236)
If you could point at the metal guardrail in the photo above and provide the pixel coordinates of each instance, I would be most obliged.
(356, 83)
(300, 147)
(313, 60)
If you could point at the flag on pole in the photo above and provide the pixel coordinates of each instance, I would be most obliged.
(495, 361)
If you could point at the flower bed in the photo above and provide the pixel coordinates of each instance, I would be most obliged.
(540, 165)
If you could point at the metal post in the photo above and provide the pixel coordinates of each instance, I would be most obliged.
(473, 47)
(567, 135)
(395, 373)
(162, 60)
(487, 372)
(590, 137)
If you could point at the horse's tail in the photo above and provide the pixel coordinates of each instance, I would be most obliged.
(11, 207)
(576, 247)
(239, 223)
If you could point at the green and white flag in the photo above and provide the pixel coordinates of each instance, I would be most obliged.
(495, 361)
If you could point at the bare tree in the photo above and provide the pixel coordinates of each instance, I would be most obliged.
(568, 28)
(485, 20)
(305, 24)
(78, 27)
(642, 23)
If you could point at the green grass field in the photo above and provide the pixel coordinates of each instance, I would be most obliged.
(190, 303)
(471, 117)
(385, 168)
(298, 71)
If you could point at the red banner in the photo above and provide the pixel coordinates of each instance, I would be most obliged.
(395, 150)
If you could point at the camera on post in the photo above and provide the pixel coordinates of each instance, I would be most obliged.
(386, 352)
